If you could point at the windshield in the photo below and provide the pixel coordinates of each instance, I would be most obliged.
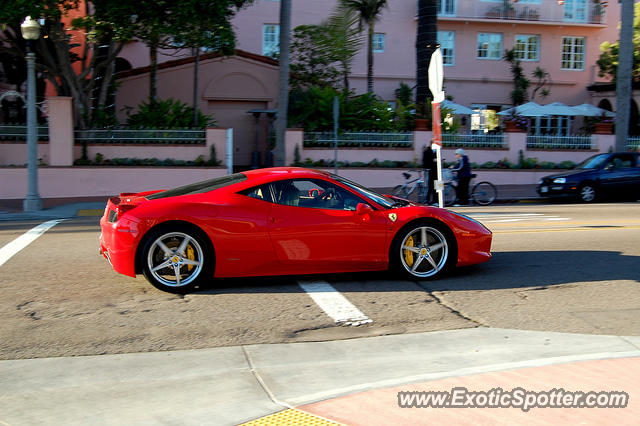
(594, 162)
(200, 187)
(378, 198)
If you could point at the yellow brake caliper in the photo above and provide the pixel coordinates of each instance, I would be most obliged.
(408, 254)
(191, 254)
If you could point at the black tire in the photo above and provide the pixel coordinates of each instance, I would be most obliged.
(177, 259)
(484, 193)
(449, 194)
(424, 250)
(587, 193)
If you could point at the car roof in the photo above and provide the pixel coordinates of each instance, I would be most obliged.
(280, 173)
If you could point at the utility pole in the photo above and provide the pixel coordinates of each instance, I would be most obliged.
(623, 76)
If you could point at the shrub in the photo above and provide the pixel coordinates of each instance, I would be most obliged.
(167, 114)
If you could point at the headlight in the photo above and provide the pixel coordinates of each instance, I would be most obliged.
(560, 180)
(541, 181)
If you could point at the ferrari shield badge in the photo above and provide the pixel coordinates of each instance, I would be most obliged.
(393, 217)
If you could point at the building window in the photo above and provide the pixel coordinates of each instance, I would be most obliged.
(527, 47)
(573, 53)
(378, 42)
(446, 39)
(446, 7)
(271, 40)
(485, 118)
(575, 10)
(489, 46)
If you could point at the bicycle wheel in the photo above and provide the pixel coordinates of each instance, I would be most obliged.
(399, 191)
(449, 194)
(417, 194)
(484, 193)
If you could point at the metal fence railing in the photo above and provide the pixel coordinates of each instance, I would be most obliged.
(480, 140)
(633, 143)
(359, 140)
(19, 132)
(558, 142)
(141, 136)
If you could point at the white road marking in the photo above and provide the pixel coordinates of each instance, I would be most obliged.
(334, 304)
(515, 217)
(11, 249)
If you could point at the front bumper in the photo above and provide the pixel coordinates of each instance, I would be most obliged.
(557, 190)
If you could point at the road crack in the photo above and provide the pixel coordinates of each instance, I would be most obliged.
(440, 301)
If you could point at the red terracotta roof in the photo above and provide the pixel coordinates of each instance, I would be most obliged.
(191, 59)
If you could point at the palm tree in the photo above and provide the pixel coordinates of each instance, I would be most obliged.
(426, 41)
(345, 40)
(369, 11)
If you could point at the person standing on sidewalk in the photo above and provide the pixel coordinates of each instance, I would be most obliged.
(463, 170)
(429, 165)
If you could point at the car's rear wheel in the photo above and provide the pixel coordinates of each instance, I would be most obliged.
(424, 250)
(587, 193)
(176, 260)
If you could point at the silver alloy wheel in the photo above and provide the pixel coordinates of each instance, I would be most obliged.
(175, 259)
(424, 251)
(587, 193)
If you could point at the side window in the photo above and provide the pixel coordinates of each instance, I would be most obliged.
(259, 192)
(285, 193)
(622, 162)
(316, 194)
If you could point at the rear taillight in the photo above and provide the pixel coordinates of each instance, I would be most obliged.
(120, 210)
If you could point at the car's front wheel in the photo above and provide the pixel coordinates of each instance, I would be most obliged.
(176, 260)
(587, 193)
(424, 250)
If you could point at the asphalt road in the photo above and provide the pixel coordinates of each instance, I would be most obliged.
(572, 268)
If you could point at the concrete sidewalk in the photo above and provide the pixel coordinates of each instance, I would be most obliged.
(348, 381)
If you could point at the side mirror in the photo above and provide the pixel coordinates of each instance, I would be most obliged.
(363, 209)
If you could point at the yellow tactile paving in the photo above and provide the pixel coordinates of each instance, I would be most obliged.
(90, 212)
(290, 417)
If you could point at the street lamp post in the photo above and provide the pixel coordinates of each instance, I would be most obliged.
(31, 31)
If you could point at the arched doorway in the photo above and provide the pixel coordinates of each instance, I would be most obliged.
(605, 104)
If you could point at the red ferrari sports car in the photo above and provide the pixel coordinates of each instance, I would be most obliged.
(281, 221)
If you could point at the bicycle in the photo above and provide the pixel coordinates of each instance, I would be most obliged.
(482, 193)
(412, 190)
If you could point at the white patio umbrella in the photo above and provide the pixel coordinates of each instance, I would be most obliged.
(530, 109)
(558, 108)
(589, 110)
(457, 109)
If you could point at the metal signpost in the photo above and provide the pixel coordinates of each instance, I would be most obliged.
(336, 115)
(436, 80)
(229, 153)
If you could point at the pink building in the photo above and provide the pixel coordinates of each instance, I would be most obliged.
(562, 37)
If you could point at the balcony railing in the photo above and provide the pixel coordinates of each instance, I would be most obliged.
(633, 143)
(481, 140)
(141, 136)
(359, 140)
(19, 133)
(559, 142)
(575, 11)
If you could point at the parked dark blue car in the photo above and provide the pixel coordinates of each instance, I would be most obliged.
(615, 174)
